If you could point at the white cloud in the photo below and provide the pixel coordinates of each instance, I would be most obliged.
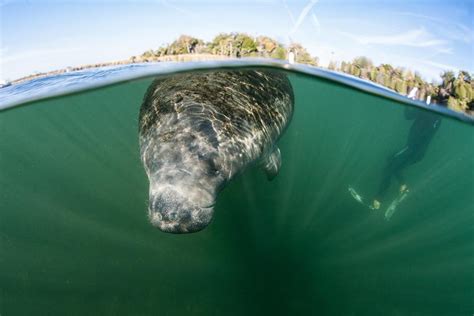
(414, 38)
(453, 30)
(439, 65)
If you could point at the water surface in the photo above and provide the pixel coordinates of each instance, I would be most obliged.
(75, 239)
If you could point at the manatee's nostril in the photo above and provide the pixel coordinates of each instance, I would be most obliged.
(185, 216)
(172, 216)
(169, 208)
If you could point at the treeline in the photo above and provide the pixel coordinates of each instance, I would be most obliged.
(455, 90)
(232, 45)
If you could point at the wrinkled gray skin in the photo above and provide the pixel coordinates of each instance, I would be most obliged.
(199, 130)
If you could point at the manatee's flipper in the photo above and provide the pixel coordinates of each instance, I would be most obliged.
(271, 163)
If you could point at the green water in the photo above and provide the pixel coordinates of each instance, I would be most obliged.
(75, 239)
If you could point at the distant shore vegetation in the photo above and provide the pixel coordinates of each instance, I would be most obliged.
(454, 90)
(232, 45)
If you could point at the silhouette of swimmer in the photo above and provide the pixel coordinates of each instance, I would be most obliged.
(424, 127)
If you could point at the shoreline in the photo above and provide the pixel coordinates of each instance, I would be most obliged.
(130, 61)
(175, 58)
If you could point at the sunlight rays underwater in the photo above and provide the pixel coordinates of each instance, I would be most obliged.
(74, 232)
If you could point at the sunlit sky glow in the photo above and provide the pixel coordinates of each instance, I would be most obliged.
(426, 36)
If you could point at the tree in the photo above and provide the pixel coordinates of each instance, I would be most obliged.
(148, 54)
(460, 90)
(185, 44)
(457, 105)
(267, 46)
(448, 79)
(355, 70)
(301, 55)
(219, 44)
(279, 53)
(465, 76)
(373, 75)
(245, 44)
(362, 62)
(401, 86)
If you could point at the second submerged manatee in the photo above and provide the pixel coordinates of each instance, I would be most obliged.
(197, 131)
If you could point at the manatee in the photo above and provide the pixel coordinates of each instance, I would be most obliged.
(197, 131)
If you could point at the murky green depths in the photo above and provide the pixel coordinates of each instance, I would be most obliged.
(75, 238)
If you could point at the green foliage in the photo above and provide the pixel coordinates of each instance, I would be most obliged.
(234, 45)
(162, 51)
(469, 92)
(448, 78)
(246, 43)
(401, 87)
(148, 54)
(460, 91)
(183, 45)
(373, 75)
(267, 45)
(418, 79)
(387, 68)
(227, 44)
(301, 55)
(457, 105)
(455, 91)
(355, 70)
(387, 81)
(279, 53)
(362, 62)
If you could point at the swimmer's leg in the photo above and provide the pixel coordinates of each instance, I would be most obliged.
(401, 180)
(408, 158)
(383, 187)
(392, 169)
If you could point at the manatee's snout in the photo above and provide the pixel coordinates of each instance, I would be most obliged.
(175, 211)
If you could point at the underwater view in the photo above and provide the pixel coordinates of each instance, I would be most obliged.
(321, 195)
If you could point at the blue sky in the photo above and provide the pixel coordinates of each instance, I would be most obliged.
(428, 36)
